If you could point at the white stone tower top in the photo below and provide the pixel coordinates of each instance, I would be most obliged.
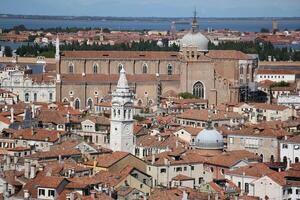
(122, 82)
(57, 49)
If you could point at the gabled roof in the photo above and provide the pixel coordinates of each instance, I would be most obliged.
(253, 170)
(203, 115)
(149, 55)
(107, 160)
(228, 54)
(230, 158)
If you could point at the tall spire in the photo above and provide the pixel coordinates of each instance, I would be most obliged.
(57, 49)
(195, 25)
(122, 82)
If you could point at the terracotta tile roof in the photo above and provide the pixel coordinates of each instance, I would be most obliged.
(38, 135)
(253, 170)
(142, 55)
(107, 160)
(278, 177)
(246, 197)
(98, 120)
(183, 157)
(4, 120)
(202, 115)
(55, 153)
(294, 171)
(43, 78)
(193, 131)
(51, 116)
(230, 158)
(295, 139)
(50, 181)
(227, 54)
(266, 106)
(124, 190)
(260, 131)
(181, 177)
(11, 176)
(113, 78)
(171, 194)
(277, 71)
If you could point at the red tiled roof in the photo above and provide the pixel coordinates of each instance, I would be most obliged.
(203, 115)
(277, 71)
(227, 54)
(107, 160)
(149, 55)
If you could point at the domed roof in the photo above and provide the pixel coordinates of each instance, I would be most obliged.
(209, 138)
(194, 39)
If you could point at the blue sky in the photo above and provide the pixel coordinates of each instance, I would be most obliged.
(158, 8)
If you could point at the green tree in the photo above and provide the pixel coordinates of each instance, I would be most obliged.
(187, 95)
(264, 30)
(7, 51)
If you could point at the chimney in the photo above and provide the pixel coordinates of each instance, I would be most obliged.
(184, 196)
(32, 171)
(59, 158)
(93, 194)
(24, 117)
(15, 159)
(11, 115)
(176, 143)
(27, 169)
(68, 117)
(32, 111)
(288, 164)
(166, 161)
(5, 190)
(26, 194)
(58, 78)
(153, 159)
(8, 161)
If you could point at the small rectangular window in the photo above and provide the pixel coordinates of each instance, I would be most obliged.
(51, 193)
(163, 170)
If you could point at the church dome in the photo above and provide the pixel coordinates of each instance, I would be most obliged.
(194, 39)
(209, 138)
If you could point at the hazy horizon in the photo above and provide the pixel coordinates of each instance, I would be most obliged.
(154, 8)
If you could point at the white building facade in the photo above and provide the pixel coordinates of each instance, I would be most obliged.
(290, 150)
(29, 89)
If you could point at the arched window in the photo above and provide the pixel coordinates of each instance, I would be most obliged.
(170, 69)
(120, 66)
(65, 100)
(140, 102)
(90, 103)
(77, 104)
(115, 113)
(95, 68)
(35, 97)
(198, 90)
(145, 68)
(26, 97)
(262, 157)
(129, 114)
(71, 68)
(285, 159)
(272, 158)
(296, 160)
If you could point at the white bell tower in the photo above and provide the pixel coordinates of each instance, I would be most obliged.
(121, 123)
(57, 49)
